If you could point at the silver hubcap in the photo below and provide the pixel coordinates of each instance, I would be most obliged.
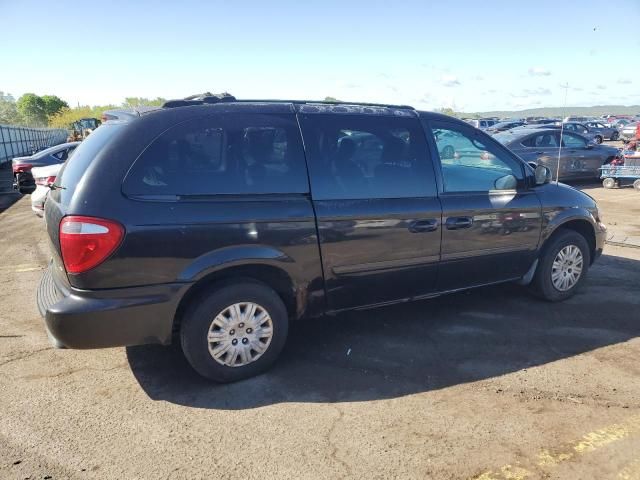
(567, 268)
(240, 334)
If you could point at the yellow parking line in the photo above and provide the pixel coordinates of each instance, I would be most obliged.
(588, 443)
(27, 269)
(21, 267)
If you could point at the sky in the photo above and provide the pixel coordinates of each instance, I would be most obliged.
(470, 55)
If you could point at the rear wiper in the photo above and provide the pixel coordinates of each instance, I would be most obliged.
(53, 186)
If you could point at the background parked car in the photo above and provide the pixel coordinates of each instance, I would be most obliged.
(578, 157)
(629, 131)
(502, 126)
(540, 121)
(23, 178)
(581, 129)
(619, 123)
(483, 123)
(576, 119)
(44, 177)
(602, 131)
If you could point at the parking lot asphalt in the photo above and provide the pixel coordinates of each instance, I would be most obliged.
(486, 384)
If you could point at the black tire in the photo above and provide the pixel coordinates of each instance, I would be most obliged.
(448, 152)
(609, 182)
(542, 285)
(598, 139)
(636, 184)
(198, 318)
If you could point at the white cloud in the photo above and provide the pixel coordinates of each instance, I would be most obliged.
(601, 87)
(624, 81)
(537, 91)
(450, 80)
(539, 72)
(531, 92)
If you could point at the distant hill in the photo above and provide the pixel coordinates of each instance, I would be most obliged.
(594, 111)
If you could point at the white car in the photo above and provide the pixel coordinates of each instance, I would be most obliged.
(43, 176)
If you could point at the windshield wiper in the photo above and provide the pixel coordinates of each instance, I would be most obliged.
(53, 186)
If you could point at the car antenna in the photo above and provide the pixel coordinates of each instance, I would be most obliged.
(564, 110)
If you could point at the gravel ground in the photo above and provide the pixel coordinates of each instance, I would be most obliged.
(487, 384)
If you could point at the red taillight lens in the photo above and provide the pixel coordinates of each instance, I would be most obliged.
(21, 167)
(85, 242)
(46, 180)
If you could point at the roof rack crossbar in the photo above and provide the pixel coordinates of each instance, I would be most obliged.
(200, 99)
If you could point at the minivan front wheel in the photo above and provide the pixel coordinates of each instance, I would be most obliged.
(234, 332)
(563, 266)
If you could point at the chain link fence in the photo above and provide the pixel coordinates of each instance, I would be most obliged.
(21, 141)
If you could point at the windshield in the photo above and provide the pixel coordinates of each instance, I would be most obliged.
(504, 137)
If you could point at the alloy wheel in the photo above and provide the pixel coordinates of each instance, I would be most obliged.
(567, 268)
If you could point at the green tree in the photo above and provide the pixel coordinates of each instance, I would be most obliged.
(131, 102)
(53, 104)
(31, 108)
(331, 99)
(447, 111)
(8, 112)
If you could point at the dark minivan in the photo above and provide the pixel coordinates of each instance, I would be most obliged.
(219, 223)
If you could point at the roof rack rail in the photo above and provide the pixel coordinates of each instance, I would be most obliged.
(200, 99)
(326, 102)
(209, 98)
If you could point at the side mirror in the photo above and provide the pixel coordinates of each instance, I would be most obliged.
(543, 175)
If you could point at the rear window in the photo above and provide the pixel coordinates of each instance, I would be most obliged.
(77, 164)
(230, 154)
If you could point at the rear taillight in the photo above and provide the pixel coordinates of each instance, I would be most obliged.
(85, 242)
(46, 180)
(21, 167)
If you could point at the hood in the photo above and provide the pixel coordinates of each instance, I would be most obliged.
(563, 194)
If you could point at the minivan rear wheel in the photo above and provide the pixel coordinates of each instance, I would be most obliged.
(234, 332)
(563, 266)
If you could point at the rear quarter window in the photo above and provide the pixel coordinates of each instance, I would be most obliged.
(229, 154)
(78, 163)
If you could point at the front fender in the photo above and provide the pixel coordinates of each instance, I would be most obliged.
(239, 255)
(554, 218)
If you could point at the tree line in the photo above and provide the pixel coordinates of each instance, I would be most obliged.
(31, 110)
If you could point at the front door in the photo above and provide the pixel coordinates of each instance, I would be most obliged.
(376, 204)
(491, 221)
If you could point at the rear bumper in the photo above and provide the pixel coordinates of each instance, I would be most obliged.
(107, 318)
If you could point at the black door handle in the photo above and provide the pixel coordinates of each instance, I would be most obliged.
(427, 225)
(457, 223)
(539, 153)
